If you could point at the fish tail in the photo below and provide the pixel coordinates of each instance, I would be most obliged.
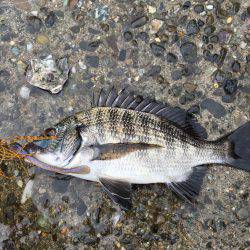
(237, 144)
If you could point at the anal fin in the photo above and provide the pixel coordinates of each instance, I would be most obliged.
(119, 191)
(189, 189)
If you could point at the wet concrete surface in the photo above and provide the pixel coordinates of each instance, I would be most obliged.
(193, 55)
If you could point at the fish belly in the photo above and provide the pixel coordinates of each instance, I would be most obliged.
(150, 166)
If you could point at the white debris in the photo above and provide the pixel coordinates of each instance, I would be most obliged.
(24, 92)
(27, 192)
(155, 25)
(29, 46)
(209, 7)
(243, 45)
(82, 65)
(151, 9)
(116, 217)
(20, 183)
(73, 70)
(4, 232)
(48, 74)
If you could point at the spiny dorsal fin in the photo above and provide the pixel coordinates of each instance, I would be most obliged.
(126, 100)
(190, 188)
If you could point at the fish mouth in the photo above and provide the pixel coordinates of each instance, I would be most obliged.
(37, 146)
(33, 160)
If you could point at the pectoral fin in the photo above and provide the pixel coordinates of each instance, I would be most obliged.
(117, 150)
(119, 191)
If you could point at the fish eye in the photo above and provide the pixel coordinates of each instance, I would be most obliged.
(50, 132)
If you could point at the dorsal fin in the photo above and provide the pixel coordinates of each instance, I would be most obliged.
(127, 100)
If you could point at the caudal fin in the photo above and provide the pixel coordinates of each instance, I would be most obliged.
(238, 143)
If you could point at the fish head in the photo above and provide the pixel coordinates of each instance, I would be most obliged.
(58, 151)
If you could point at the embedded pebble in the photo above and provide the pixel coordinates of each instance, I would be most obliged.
(189, 52)
(24, 92)
(157, 49)
(155, 25)
(215, 108)
(243, 213)
(27, 192)
(139, 22)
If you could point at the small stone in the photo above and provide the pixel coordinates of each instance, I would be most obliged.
(194, 110)
(151, 9)
(102, 13)
(155, 25)
(225, 36)
(24, 92)
(139, 22)
(183, 100)
(128, 36)
(29, 47)
(186, 5)
(200, 23)
(27, 192)
(21, 67)
(171, 58)
(215, 108)
(209, 7)
(34, 24)
(176, 74)
(243, 45)
(157, 49)
(222, 56)
(214, 39)
(243, 213)
(92, 61)
(219, 76)
(230, 86)
(20, 183)
(122, 55)
(189, 52)
(227, 98)
(209, 30)
(160, 219)
(15, 51)
(198, 8)
(189, 87)
(154, 70)
(92, 46)
(229, 20)
(43, 222)
(73, 70)
(205, 39)
(75, 29)
(11, 200)
(192, 27)
(4, 73)
(42, 39)
(50, 19)
(176, 90)
(235, 66)
(5, 231)
(143, 36)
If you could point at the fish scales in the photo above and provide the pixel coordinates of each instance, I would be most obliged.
(134, 126)
(127, 139)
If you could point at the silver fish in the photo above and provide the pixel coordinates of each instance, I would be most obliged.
(127, 139)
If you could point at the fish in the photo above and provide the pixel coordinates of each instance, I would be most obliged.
(125, 139)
